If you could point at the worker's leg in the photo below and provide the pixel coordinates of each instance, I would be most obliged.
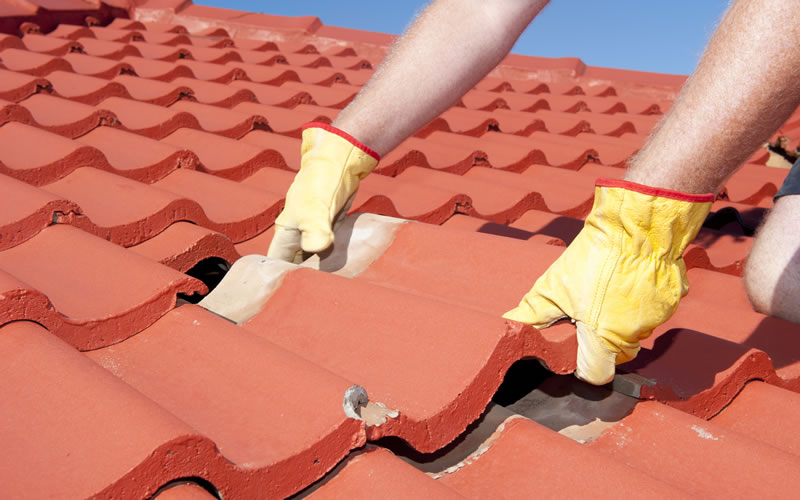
(772, 273)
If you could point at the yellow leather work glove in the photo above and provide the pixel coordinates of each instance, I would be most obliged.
(332, 165)
(622, 276)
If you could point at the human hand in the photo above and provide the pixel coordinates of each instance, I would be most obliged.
(332, 165)
(621, 277)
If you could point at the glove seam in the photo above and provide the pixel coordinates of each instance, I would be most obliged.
(344, 135)
(345, 172)
(655, 191)
(607, 271)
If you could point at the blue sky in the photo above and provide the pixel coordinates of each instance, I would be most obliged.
(647, 35)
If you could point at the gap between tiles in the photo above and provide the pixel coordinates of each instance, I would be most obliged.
(210, 271)
(561, 403)
(190, 482)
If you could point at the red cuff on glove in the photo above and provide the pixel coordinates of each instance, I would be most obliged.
(655, 191)
(344, 135)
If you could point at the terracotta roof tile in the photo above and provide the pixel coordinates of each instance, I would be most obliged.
(153, 160)
(159, 52)
(182, 245)
(11, 112)
(213, 72)
(39, 157)
(233, 123)
(86, 89)
(149, 288)
(688, 454)
(563, 468)
(154, 91)
(165, 38)
(217, 94)
(64, 117)
(275, 96)
(255, 45)
(17, 86)
(287, 147)
(147, 119)
(237, 211)
(302, 435)
(107, 48)
(27, 210)
(329, 97)
(126, 24)
(423, 397)
(121, 210)
(211, 54)
(272, 75)
(71, 31)
(282, 120)
(125, 459)
(226, 157)
(418, 152)
(49, 45)
(115, 34)
(157, 70)
(32, 63)
(396, 197)
(96, 66)
(370, 472)
(756, 409)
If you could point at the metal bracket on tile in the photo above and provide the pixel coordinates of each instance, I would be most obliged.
(355, 398)
(357, 405)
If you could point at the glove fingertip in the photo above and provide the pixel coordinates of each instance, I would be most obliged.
(521, 313)
(285, 244)
(596, 364)
(316, 241)
(535, 311)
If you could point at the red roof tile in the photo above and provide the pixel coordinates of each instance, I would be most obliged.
(86, 89)
(226, 157)
(182, 245)
(64, 117)
(39, 157)
(699, 457)
(276, 435)
(83, 312)
(562, 468)
(147, 119)
(426, 399)
(17, 86)
(153, 160)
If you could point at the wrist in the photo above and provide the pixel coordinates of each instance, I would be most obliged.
(344, 135)
(655, 191)
(649, 221)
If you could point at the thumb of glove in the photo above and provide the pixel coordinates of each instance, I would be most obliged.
(320, 236)
(596, 361)
(285, 244)
(317, 239)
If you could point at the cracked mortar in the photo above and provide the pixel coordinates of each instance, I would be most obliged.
(482, 449)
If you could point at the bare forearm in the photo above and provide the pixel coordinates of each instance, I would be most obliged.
(745, 86)
(452, 45)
